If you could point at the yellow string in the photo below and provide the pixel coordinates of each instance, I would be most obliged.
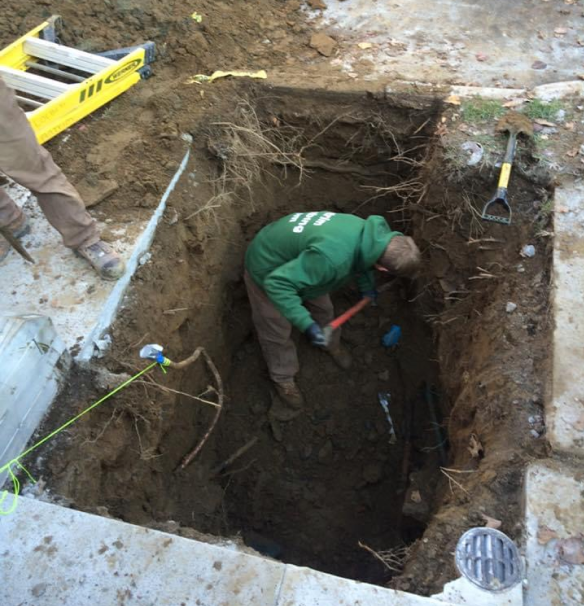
(16, 460)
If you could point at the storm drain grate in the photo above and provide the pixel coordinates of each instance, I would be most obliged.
(489, 559)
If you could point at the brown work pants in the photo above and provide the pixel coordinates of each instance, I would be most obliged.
(274, 331)
(30, 165)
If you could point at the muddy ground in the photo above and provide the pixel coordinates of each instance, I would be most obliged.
(315, 484)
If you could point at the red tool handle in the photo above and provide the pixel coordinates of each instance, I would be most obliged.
(340, 320)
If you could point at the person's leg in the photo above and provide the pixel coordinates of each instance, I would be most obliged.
(12, 217)
(30, 165)
(274, 334)
(323, 312)
(9, 211)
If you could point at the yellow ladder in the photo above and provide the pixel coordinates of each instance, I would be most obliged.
(62, 85)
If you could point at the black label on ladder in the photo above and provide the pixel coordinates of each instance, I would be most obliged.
(118, 74)
(90, 90)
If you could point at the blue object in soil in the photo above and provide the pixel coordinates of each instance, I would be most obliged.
(391, 338)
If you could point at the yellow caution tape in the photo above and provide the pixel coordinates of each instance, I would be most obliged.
(200, 78)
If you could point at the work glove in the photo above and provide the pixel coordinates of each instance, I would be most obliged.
(372, 294)
(315, 335)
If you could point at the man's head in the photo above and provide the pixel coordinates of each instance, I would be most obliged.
(401, 257)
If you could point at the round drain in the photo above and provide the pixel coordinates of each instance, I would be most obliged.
(489, 559)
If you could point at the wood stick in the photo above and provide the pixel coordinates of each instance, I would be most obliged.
(220, 398)
(238, 453)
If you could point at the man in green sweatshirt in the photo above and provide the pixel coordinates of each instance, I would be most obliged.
(294, 263)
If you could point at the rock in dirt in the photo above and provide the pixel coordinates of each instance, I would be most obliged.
(491, 522)
(316, 4)
(276, 429)
(94, 193)
(528, 251)
(326, 451)
(324, 44)
(280, 412)
(372, 473)
(510, 307)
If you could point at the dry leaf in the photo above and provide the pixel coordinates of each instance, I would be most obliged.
(544, 122)
(541, 35)
(560, 31)
(514, 103)
(475, 447)
(538, 65)
(569, 126)
(491, 522)
(573, 152)
(441, 130)
(571, 550)
(545, 534)
(453, 100)
(364, 45)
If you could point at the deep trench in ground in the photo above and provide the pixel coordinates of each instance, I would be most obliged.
(321, 480)
(317, 483)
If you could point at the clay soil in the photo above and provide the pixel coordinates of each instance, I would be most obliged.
(318, 481)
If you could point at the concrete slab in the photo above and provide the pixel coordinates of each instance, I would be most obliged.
(554, 522)
(84, 560)
(565, 409)
(471, 42)
(306, 587)
(34, 363)
(60, 285)
(462, 591)
(52, 555)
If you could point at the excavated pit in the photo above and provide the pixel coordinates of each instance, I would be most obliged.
(318, 485)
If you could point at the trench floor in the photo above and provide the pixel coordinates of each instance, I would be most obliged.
(321, 480)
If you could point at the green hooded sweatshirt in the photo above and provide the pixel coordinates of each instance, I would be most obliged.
(306, 255)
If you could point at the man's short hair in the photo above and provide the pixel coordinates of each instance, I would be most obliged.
(401, 256)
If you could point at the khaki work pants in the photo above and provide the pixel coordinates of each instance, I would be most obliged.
(30, 165)
(274, 331)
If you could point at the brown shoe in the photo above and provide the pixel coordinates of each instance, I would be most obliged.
(290, 393)
(341, 357)
(19, 228)
(104, 259)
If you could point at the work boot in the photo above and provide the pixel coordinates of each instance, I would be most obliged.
(290, 393)
(19, 228)
(341, 357)
(104, 259)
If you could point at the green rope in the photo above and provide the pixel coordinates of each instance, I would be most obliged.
(16, 460)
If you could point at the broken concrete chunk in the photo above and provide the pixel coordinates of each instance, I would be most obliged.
(322, 43)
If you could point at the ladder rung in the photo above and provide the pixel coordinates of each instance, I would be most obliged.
(55, 72)
(30, 102)
(37, 86)
(71, 57)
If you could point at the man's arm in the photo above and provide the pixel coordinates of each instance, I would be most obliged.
(284, 285)
(366, 281)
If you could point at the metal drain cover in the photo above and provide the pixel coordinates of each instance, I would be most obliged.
(489, 559)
